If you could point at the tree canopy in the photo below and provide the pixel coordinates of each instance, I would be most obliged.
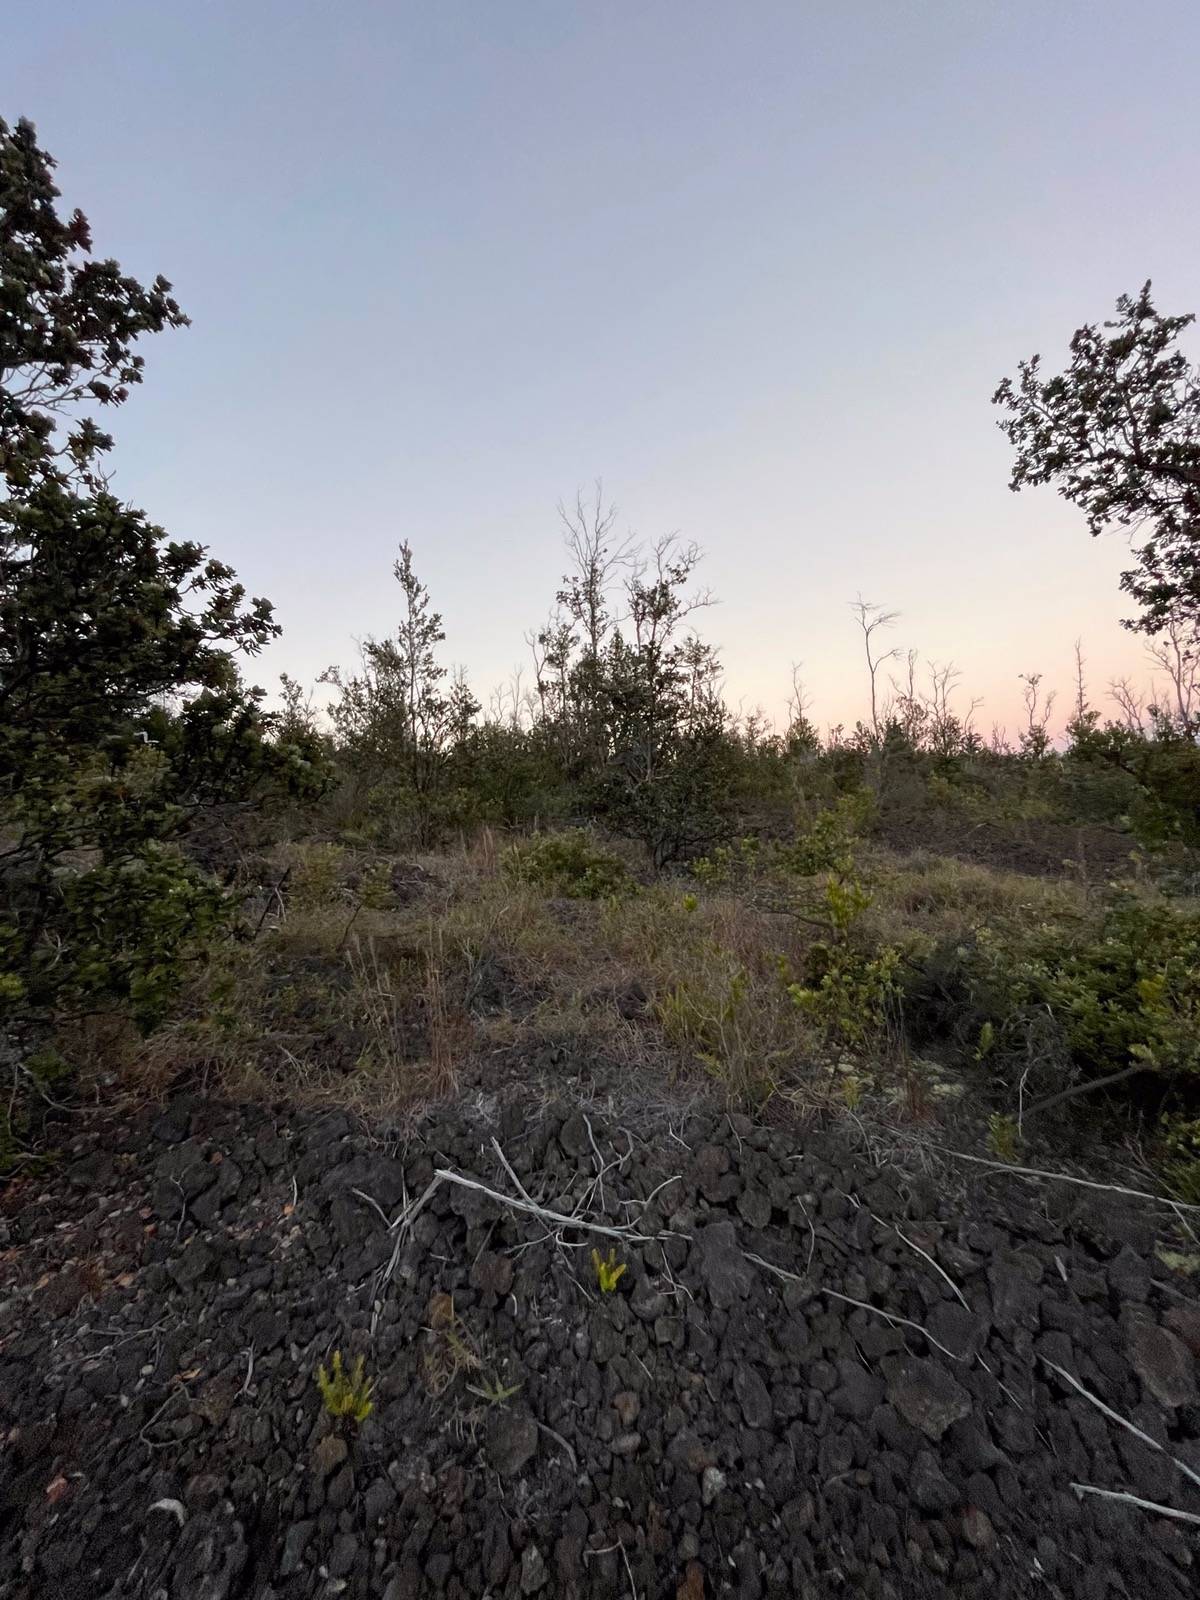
(1118, 433)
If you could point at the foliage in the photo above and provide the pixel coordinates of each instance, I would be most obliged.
(1118, 433)
(395, 721)
(827, 845)
(101, 619)
(68, 325)
(850, 993)
(493, 1391)
(725, 1021)
(1108, 995)
(569, 863)
(125, 731)
(346, 1395)
(608, 1270)
(1180, 1161)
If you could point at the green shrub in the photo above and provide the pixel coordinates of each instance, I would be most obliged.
(569, 863)
(1089, 997)
(849, 993)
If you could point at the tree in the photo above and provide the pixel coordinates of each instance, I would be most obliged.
(67, 325)
(870, 619)
(396, 721)
(1118, 434)
(123, 719)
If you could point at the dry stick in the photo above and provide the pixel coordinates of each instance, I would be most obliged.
(888, 1316)
(1087, 1088)
(402, 1223)
(442, 1175)
(1134, 1500)
(1063, 1177)
(445, 1176)
(1115, 1416)
(558, 1439)
(371, 1201)
(517, 1184)
(927, 1256)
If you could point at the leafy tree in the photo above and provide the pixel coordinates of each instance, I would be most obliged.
(122, 717)
(67, 324)
(1118, 433)
(397, 723)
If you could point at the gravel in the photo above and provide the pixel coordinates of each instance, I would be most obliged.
(167, 1293)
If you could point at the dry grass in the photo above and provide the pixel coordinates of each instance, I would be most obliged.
(380, 985)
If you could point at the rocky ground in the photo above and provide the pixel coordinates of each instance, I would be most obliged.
(710, 1427)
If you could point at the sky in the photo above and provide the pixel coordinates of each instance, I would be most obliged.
(759, 266)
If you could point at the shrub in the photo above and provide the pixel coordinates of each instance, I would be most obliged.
(849, 993)
(1116, 995)
(569, 863)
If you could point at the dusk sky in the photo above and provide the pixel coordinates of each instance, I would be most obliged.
(760, 266)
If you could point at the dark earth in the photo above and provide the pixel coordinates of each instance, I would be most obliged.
(169, 1289)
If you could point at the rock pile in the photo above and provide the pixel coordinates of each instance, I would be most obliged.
(817, 1377)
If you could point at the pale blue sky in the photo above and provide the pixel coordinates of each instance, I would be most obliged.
(760, 265)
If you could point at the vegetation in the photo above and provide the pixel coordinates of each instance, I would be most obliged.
(346, 1395)
(125, 731)
(1118, 433)
(358, 901)
(608, 1270)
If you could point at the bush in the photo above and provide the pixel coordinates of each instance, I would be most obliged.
(1090, 999)
(569, 863)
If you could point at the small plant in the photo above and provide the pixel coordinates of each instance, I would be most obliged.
(346, 1394)
(716, 1015)
(1003, 1136)
(448, 1347)
(316, 869)
(493, 1392)
(828, 845)
(608, 1270)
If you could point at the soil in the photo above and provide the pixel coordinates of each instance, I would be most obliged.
(710, 1427)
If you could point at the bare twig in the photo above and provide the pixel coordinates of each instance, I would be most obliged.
(371, 1201)
(833, 1294)
(443, 1175)
(936, 1267)
(1115, 1416)
(517, 1184)
(1134, 1500)
(558, 1439)
(1061, 1177)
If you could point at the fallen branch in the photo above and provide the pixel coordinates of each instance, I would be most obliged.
(1134, 1500)
(408, 1216)
(1087, 1088)
(935, 1265)
(1115, 1416)
(443, 1175)
(1061, 1177)
(863, 1305)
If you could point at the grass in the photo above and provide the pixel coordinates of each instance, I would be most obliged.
(380, 998)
